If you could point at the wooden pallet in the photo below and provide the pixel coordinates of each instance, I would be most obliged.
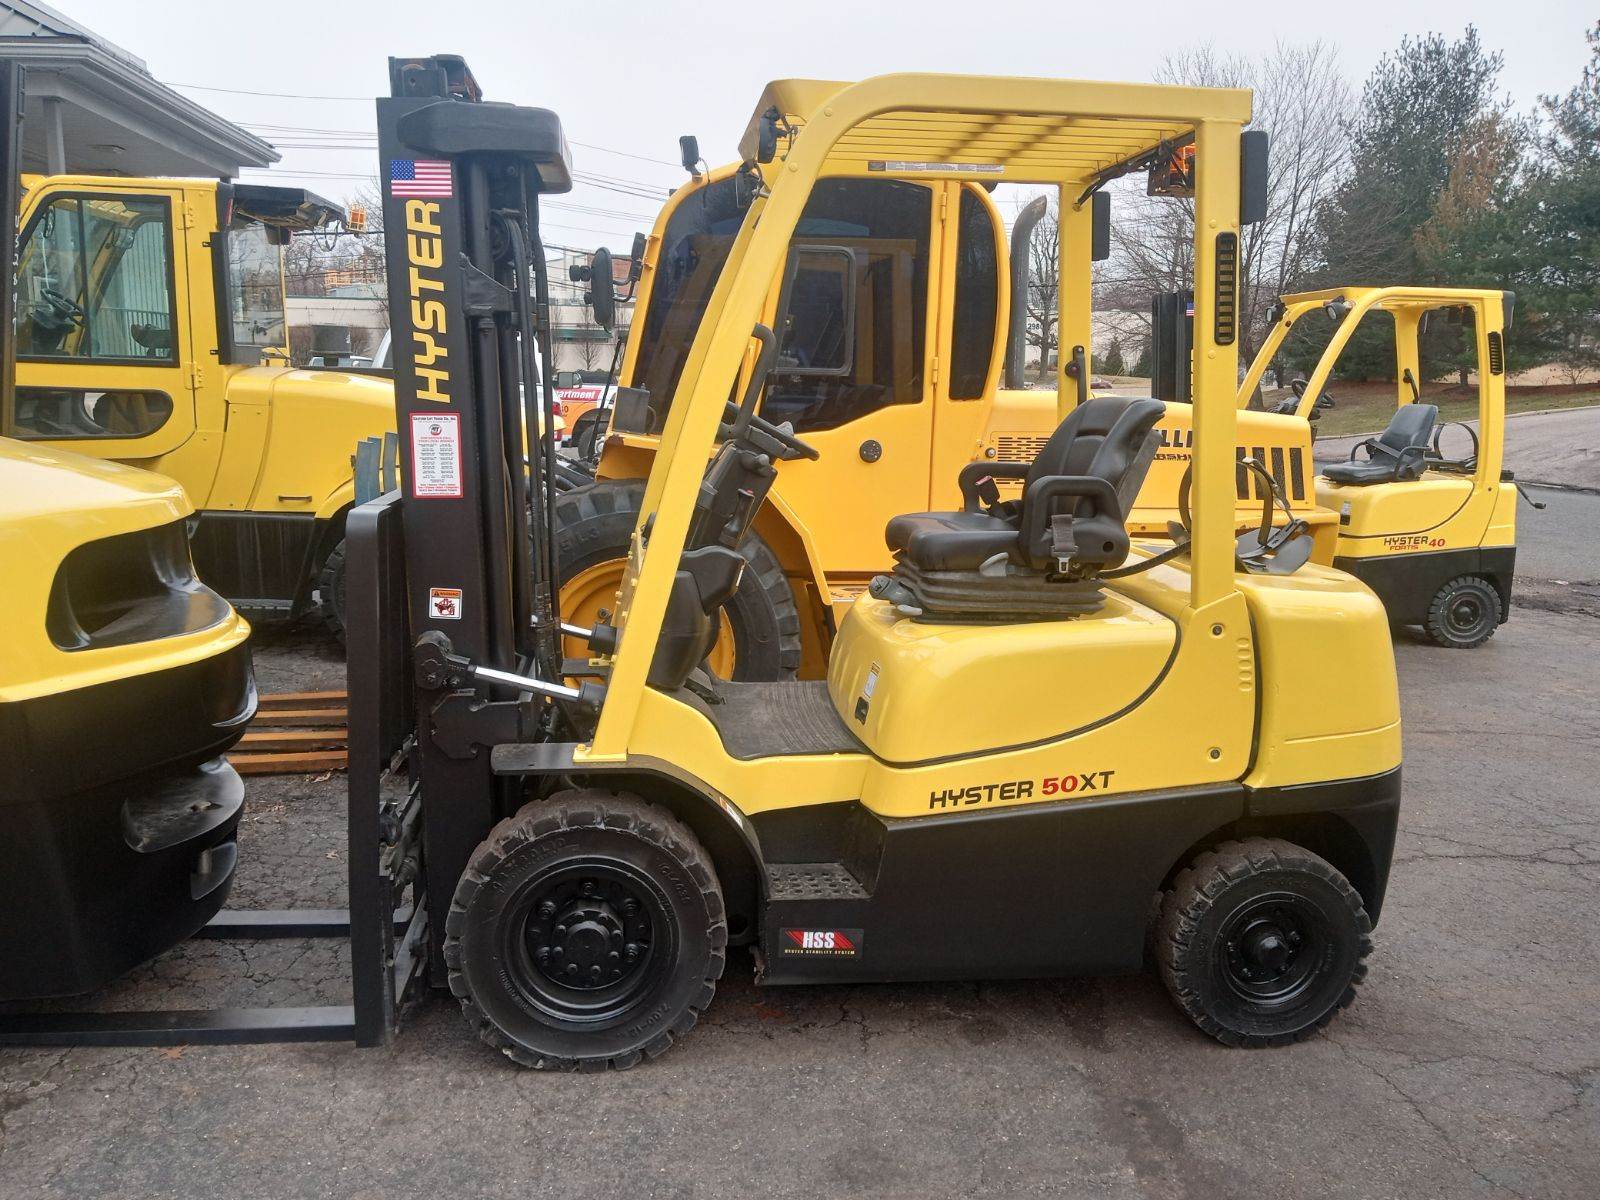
(294, 733)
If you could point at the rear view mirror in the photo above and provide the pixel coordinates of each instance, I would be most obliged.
(1100, 226)
(767, 136)
(689, 154)
(817, 312)
(601, 296)
(1253, 146)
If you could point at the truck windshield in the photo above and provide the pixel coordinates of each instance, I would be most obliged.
(255, 287)
(694, 249)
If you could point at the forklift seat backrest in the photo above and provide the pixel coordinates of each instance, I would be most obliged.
(1397, 455)
(1109, 439)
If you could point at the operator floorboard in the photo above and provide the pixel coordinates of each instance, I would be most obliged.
(774, 720)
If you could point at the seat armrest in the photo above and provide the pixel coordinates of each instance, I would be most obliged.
(1039, 502)
(975, 473)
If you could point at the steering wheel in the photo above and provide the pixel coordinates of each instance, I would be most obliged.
(1439, 462)
(63, 312)
(1270, 549)
(783, 434)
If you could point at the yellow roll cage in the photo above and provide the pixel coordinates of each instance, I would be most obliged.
(1067, 133)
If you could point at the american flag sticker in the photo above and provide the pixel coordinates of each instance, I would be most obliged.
(419, 177)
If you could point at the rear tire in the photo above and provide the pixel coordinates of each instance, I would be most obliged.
(594, 525)
(331, 591)
(1261, 942)
(587, 932)
(1464, 613)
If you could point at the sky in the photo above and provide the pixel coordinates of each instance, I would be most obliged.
(627, 78)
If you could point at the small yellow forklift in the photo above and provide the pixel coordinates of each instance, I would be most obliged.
(586, 837)
(1434, 535)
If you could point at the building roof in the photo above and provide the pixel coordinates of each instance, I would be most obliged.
(98, 108)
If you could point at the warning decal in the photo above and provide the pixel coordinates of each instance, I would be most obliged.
(436, 455)
(444, 604)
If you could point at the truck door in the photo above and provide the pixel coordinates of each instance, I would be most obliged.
(104, 365)
(856, 365)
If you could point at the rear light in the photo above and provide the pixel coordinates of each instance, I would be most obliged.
(560, 409)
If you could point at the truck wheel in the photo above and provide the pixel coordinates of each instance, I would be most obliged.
(1464, 613)
(760, 635)
(587, 931)
(330, 591)
(1261, 942)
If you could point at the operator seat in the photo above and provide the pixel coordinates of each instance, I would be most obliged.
(1397, 455)
(1038, 557)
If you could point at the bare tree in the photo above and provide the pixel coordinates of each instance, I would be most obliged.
(1300, 99)
(1044, 288)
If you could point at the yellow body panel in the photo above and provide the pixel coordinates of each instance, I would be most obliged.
(50, 504)
(891, 679)
(1330, 701)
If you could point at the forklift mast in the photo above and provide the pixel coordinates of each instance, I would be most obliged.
(468, 300)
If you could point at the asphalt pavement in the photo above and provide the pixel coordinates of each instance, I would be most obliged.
(1468, 1067)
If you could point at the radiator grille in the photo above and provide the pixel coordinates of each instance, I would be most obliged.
(1018, 447)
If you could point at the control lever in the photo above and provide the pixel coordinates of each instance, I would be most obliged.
(439, 668)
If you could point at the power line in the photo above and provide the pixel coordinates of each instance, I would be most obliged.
(199, 87)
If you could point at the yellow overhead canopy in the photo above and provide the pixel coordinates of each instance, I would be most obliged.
(1038, 130)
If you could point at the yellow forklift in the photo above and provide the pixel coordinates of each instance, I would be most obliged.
(594, 833)
(1429, 527)
(572, 845)
(123, 679)
(900, 359)
(151, 331)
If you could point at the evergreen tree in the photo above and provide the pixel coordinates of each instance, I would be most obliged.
(1430, 128)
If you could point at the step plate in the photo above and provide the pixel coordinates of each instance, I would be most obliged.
(813, 881)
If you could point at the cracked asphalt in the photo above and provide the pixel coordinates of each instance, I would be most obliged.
(1467, 1068)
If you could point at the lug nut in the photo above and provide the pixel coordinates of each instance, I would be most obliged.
(547, 909)
(542, 953)
(594, 972)
(587, 889)
(631, 950)
(561, 931)
(572, 968)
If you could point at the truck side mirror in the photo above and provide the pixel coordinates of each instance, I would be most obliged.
(689, 154)
(1253, 146)
(816, 319)
(767, 136)
(636, 258)
(1100, 226)
(602, 296)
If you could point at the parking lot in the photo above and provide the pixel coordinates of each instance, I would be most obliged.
(1468, 1067)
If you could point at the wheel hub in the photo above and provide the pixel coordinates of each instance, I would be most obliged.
(588, 933)
(1268, 953)
(1466, 613)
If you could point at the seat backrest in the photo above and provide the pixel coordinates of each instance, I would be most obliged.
(1115, 440)
(1412, 425)
(1072, 447)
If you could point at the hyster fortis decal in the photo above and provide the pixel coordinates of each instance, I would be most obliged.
(1021, 789)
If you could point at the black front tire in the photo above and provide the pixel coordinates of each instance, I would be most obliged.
(1261, 942)
(331, 591)
(587, 932)
(1464, 613)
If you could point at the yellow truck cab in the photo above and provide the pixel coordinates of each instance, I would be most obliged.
(123, 679)
(899, 293)
(151, 331)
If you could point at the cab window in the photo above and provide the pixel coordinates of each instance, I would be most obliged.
(872, 233)
(94, 281)
(59, 414)
(977, 294)
(255, 287)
